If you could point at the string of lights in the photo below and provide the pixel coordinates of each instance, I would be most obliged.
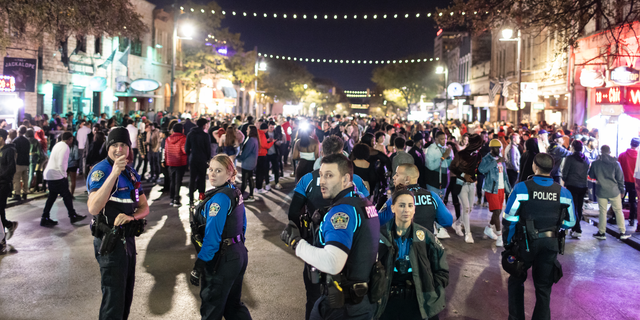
(333, 16)
(346, 61)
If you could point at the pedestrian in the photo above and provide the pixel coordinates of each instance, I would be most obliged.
(248, 161)
(222, 260)
(465, 167)
(21, 177)
(543, 140)
(164, 169)
(351, 233)
(305, 150)
(97, 150)
(55, 174)
(198, 150)
(429, 207)
(558, 152)
(273, 153)
(574, 175)
(118, 204)
(142, 151)
(437, 160)
(484, 150)
(176, 160)
(153, 144)
(401, 156)
(512, 157)
(262, 170)
(7, 170)
(82, 136)
(133, 136)
(231, 140)
(526, 161)
(419, 158)
(609, 188)
(628, 160)
(72, 167)
(495, 186)
(415, 263)
(536, 211)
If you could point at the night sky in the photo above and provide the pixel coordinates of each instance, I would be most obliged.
(342, 39)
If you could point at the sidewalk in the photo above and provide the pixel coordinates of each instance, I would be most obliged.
(612, 229)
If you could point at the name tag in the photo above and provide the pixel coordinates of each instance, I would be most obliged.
(547, 196)
(371, 212)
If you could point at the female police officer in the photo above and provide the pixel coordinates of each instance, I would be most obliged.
(116, 200)
(415, 262)
(222, 260)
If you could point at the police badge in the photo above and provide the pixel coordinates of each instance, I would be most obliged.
(340, 220)
(97, 176)
(420, 235)
(214, 209)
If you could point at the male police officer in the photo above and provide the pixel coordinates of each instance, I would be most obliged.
(347, 245)
(307, 194)
(429, 207)
(117, 202)
(535, 212)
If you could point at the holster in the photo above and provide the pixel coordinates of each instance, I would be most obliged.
(306, 228)
(379, 282)
(109, 240)
(561, 240)
(335, 293)
(135, 228)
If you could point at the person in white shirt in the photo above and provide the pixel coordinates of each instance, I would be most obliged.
(83, 144)
(55, 175)
(133, 137)
(543, 140)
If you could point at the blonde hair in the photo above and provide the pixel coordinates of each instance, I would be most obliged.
(226, 162)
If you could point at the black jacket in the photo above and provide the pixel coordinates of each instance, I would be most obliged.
(7, 163)
(419, 161)
(97, 152)
(198, 146)
(23, 147)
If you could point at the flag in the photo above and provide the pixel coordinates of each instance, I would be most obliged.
(494, 88)
(125, 57)
(505, 88)
(109, 60)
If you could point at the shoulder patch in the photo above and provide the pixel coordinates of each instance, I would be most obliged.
(214, 209)
(97, 175)
(420, 235)
(340, 220)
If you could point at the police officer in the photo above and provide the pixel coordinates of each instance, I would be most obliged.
(536, 212)
(118, 204)
(307, 195)
(347, 245)
(219, 226)
(429, 206)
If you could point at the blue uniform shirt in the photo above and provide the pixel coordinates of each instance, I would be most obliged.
(339, 225)
(304, 182)
(216, 211)
(123, 199)
(443, 216)
(521, 193)
(404, 248)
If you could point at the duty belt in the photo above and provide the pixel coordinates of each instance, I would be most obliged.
(231, 241)
(548, 234)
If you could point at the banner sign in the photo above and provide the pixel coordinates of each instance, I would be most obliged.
(24, 72)
(625, 76)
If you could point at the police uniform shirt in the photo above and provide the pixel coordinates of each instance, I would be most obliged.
(123, 196)
(403, 243)
(305, 183)
(520, 195)
(338, 226)
(425, 203)
(216, 211)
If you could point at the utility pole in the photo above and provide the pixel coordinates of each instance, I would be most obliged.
(174, 44)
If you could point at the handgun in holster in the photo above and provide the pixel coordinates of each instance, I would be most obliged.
(109, 240)
(220, 255)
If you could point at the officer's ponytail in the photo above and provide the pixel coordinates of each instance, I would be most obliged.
(226, 162)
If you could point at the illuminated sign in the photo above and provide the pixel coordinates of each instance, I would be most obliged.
(222, 50)
(625, 76)
(538, 106)
(7, 84)
(633, 96)
(455, 89)
(439, 32)
(144, 85)
(591, 78)
(612, 95)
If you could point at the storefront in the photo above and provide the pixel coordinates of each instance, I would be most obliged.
(619, 117)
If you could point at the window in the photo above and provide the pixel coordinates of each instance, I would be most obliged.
(97, 45)
(123, 43)
(81, 43)
(136, 46)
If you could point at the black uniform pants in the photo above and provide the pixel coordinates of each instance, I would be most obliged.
(275, 167)
(314, 291)
(221, 291)
(59, 187)
(361, 311)
(118, 275)
(401, 308)
(5, 192)
(197, 178)
(176, 173)
(541, 259)
(167, 178)
(262, 171)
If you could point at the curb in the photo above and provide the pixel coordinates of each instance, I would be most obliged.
(17, 203)
(614, 232)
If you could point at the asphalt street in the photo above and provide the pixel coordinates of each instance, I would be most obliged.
(53, 274)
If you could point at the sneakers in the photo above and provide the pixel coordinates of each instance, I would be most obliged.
(575, 235)
(623, 236)
(278, 186)
(457, 226)
(24, 196)
(171, 203)
(76, 217)
(250, 199)
(260, 191)
(485, 205)
(443, 234)
(267, 188)
(177, 204)
(488, 231)
(10, 231)
(499, 242)
(468, 238)
(600, 236)
(47, 222)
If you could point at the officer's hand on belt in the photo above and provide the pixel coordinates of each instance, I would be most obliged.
(122, 219)
(291, 235)
(197, 272)
(120, 164)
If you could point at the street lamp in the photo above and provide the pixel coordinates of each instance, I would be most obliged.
(187, 30)
(261, 65)
(506, 36)
(444, 70)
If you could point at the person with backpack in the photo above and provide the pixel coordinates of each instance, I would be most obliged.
(248, 160)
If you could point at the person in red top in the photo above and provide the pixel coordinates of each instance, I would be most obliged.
(628, 163)
(262, 170)
(176, 159)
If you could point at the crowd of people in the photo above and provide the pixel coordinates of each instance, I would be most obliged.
(396, 169)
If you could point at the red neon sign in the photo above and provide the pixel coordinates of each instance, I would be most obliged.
(7, 84)
(612, 95)
(439, 32)
(633, 96)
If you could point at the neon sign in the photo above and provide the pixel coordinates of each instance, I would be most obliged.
(633, 96)
(7, 84)
(625, 76)
(612, 95)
